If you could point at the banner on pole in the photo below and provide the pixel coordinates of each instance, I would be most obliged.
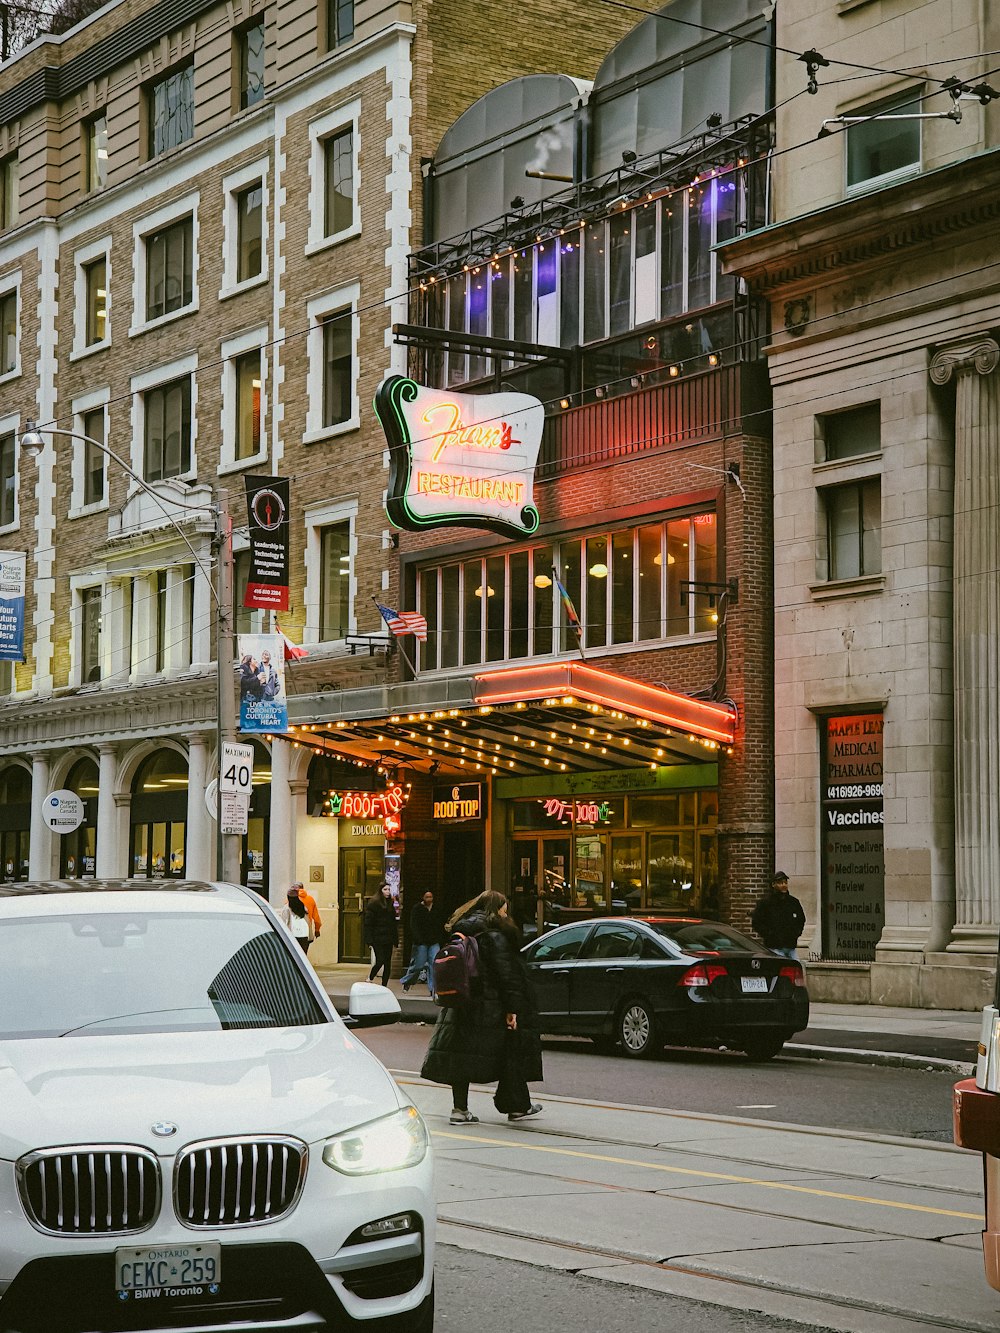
(267, 513)
(263, 704)
(12, 575)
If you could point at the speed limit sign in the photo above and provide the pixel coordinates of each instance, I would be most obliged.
(237, 767)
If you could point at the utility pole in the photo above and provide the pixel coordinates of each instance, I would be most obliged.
(228, 849)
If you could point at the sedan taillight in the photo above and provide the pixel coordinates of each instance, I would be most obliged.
(702, 974)
(793, 973)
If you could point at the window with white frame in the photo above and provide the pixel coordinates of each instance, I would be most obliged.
(95, 287)
(89, 611)
(333, 363)
(10, 192)
(628, 586)
(8, 479)
(169, 255)
(89, 460)
(244, 237)
(330, 582)
(249, 205)
(8, 332)
(335, 581)
(887, 146)
(170, 110)
(243, 399)
(167, 429)
(334, 204)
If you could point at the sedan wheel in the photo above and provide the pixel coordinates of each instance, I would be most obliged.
(764, 1045)
(636, 1029)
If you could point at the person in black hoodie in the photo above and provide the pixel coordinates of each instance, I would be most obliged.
(495, 1037)
(381, 931)
(778, 918)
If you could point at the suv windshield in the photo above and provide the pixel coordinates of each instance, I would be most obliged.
(705, 937)
(99, 973)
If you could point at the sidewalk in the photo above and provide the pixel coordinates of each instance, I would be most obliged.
(860, 1033)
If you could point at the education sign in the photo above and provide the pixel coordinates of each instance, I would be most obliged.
(459, 459)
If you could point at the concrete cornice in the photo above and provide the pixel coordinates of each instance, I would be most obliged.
(861, 232)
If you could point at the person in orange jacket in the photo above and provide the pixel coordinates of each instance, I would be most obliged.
(312, 911)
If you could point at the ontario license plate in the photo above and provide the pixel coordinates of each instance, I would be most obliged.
(754, 985)
(171, 1270)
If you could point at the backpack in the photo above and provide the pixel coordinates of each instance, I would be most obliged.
(456, 972)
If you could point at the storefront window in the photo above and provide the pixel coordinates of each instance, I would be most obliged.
(633, 854)
(472, 617)
(506, 607)
(597, 591)
(159, 816)
(15, 823)
(78, 850)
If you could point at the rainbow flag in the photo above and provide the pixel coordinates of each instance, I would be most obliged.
(567, 601)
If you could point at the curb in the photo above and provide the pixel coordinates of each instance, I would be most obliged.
(422, 1011)
(890, 1059)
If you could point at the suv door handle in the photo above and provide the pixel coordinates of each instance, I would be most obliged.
(615, 969)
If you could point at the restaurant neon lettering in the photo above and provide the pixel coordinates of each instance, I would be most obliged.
(487, 435)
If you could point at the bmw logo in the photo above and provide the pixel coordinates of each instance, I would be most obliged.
(163, 1129)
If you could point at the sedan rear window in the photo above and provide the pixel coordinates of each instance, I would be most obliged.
(705, 937)
(99, 974)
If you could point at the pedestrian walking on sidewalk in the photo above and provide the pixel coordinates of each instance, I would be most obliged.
(426, 933)
(312, 910)
(778, 918)
(495, 1036)
(381, 931)
(296, 917)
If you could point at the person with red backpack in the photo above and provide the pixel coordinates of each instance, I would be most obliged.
(487, 1030)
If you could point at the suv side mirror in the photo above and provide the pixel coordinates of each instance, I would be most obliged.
(371, 1006)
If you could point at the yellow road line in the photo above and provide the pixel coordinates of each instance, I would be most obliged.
(706, 1175)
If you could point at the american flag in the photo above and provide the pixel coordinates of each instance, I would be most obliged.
(404, 622)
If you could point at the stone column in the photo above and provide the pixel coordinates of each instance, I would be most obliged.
(108, 855)
(199, 863)
(976, 638)
(281, 849)
(40, 849)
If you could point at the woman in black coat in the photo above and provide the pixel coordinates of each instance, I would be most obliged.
(381, 931)
(495, 1036)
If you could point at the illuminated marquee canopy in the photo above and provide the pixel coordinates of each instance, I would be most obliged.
(458, 459)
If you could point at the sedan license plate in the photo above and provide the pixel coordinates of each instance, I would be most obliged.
(174, 1270)
(754, 985)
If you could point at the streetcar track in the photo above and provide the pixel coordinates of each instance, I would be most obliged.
(720, 1177)
(622, 1259)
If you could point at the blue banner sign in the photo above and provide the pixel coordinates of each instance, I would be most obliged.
(261, 671)
(12, 573)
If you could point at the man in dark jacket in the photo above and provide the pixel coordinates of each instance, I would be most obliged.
(426, 934)
(778, 918)
(496, 1035)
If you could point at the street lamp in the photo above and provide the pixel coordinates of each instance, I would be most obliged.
(227, 846)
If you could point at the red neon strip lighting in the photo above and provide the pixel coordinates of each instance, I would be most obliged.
(715, 722)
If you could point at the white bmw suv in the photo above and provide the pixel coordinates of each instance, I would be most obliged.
(190, 1136)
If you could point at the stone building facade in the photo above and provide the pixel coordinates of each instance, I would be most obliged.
(881, 273)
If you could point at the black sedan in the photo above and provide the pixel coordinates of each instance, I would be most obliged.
(646, 982)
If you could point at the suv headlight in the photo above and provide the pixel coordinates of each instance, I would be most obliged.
(388, 1144)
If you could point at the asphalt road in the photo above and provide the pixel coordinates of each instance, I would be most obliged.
(501, 1296)
(910, 1102)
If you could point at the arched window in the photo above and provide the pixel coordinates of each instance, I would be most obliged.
(159, 816)
(15, 822)
(78, 850)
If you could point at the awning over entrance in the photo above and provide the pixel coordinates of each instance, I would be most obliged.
(551, 718)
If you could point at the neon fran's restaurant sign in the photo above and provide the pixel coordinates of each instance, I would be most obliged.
(459, 459)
